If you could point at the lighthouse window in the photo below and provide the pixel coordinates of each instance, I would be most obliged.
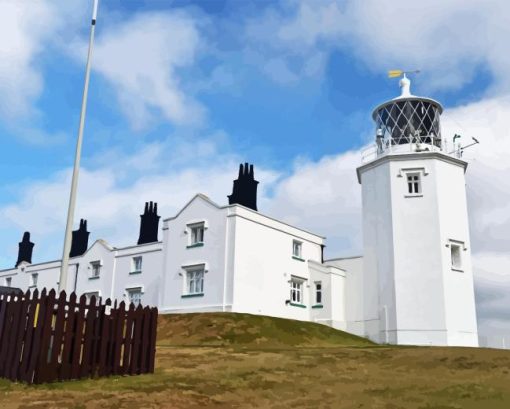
(456, 256)
(413, 183)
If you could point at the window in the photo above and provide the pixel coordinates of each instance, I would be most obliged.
(456, 255)
(135, 296)
(8, 281)
(296, 248)
(136, 265)
(318, 292)
(33, 279)
(413, 183)
(296, 291)
(195, 281)
(196, 234)
(89, 296)
(96, 269)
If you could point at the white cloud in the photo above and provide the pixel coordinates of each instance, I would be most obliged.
(448, 41)
(488, 187)
(325, 198)
(492, 284)
(142, 58)
(29, 30)
(25, 29)
(112, 196)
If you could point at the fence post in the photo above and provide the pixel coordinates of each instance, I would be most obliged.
(45, 321)
(22, 327)
(65, 365)
(88, 359)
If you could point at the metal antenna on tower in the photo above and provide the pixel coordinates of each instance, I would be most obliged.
(461, 149)
(62, 284)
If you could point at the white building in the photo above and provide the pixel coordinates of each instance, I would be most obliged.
(414, 284)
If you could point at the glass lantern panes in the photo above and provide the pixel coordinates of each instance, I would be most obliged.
(409, 121)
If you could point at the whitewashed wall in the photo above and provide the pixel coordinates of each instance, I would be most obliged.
(264, 265)
(148, 280)
(353, 294)
(332, 310)
(178, 255)
(460, 305)
(404, 251)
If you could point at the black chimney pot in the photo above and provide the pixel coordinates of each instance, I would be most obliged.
(149, 224)
(244, 191)
(80, 242)
(25, 249)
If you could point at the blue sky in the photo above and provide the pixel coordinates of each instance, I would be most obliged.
(183, 91)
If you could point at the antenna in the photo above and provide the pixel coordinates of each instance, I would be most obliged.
(475, 142)
(461, 149)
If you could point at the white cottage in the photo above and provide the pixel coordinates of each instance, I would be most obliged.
(414, 284)
(212, 258)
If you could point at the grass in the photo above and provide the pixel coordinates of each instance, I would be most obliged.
(248, 331)
(238, 360)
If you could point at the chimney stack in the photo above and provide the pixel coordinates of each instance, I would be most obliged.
(149, 224)
(244, 191)
(25, 249)
(80, 242)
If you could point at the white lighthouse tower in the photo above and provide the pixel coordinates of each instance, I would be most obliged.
(417, 275)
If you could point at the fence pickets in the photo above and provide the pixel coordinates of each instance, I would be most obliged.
(44, 339)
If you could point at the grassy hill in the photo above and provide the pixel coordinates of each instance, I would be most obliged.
(244, 361)
(248, 331)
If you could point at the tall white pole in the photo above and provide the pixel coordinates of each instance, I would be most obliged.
(62, 284)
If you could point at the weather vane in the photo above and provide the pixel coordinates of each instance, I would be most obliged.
(399, 73)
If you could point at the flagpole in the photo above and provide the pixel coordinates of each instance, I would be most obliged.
(62, 284)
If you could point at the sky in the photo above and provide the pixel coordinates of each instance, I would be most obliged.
(181, 92)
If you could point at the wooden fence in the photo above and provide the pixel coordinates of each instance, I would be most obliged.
(43, 339)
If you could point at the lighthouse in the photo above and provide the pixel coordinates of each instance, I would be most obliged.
(417, 275)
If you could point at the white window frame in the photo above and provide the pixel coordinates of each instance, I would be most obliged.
(413, 184)
(456, 249)
(34, 278)
(134, 269)
(194, 277)
(195, 238)
(93, 265)
(296, 291)
(132, 290)
(8, 281)
(318, 291)
(296, 244)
